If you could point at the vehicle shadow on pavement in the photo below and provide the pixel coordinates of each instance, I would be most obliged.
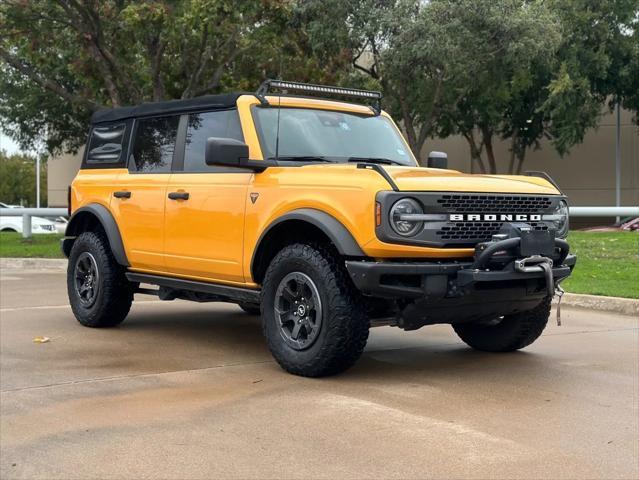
(230, 335)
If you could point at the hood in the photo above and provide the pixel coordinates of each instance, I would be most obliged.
(414, 179)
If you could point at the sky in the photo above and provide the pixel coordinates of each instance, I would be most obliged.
(8, 144)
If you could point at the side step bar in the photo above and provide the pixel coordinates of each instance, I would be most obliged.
(225, 292)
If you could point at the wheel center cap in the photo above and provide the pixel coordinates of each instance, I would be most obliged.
(301, 310)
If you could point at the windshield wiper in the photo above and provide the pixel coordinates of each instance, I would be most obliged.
(303, 158)
(384, 161)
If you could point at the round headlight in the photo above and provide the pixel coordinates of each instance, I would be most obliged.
(561, 218)
(400, 217)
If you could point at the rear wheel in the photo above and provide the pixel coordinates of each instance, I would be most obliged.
(312, 317)
(99, 293)
(506, 334)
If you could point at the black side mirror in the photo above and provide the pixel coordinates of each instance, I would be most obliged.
(226, 152)
(437, 160)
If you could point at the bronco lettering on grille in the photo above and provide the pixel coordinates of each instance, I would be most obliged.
(494, 217)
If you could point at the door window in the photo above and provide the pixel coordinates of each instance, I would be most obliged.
(221, 123)
(154, 144)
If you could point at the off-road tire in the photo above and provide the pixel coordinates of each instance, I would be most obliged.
(250, 308)
(114, 293)
(514, 332)
(344, 329)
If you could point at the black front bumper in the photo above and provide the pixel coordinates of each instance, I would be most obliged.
(512, 273)
(427, 293)
(413, 279)
(518, 257)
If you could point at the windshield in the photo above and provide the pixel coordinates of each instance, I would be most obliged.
(335, 136)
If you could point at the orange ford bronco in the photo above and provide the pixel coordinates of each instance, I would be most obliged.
(314, 214)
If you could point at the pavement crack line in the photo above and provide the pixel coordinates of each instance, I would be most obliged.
(49, 307)
(133, 375)
(591, 331)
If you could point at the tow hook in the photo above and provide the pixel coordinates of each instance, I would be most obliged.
(538, 263)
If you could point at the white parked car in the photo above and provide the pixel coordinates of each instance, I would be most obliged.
(14, 224)
(61, 224)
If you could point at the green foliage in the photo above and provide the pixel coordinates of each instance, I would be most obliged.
(62, 59)
(607, 264)
(515, 69)
(598, 62)
(509, 44)
(18, 180)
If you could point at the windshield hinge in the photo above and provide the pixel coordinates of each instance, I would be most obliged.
(379, 169)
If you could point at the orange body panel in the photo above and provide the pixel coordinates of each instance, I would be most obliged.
(204, 233)
(140, 218)
(213, 235)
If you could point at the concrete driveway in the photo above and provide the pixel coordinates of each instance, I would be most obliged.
(185, 390)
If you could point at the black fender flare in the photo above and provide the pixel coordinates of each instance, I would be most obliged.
(337, 233)
(110, 226)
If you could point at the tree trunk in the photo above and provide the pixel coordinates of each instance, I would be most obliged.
(513, 142)
(409, 126)
(521, 157)
(475, 151)
(487, 138)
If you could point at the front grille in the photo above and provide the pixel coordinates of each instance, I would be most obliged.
(468, 233)
(494, 204)
(476, 231)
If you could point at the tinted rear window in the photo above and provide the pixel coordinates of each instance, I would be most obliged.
(154, 144)
(106, 144)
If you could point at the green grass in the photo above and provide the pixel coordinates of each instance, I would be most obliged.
(40, 245)
(607, 264)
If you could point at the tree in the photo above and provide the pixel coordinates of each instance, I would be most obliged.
(517, 42)
(518, 70)
(445, 67)
(61, 60)
(17, 179)
(598, 63)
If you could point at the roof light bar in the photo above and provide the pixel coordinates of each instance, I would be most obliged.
(321, 89)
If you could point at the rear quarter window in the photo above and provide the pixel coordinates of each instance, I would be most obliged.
(107, 144)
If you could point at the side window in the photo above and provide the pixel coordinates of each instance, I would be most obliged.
(154, 144)
(106, 144)
(221, 123)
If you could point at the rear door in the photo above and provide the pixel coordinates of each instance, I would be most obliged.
(138, 201)
(204, 221)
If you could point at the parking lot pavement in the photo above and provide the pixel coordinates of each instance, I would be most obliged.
(186, 390)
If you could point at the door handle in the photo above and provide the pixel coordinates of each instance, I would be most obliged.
(179, 195)
(122, 194)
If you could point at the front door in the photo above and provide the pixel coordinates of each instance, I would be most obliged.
(138, 203)
(205, 206)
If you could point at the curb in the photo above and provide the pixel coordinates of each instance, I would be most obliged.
(54, 264)
(626, 306)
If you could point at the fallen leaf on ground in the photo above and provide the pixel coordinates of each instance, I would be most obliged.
(41, 340)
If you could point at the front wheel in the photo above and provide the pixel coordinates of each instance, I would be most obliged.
(508, 333)
(99, 293)
(312, 317)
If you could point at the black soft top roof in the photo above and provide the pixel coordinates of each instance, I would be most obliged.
(226, 100)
